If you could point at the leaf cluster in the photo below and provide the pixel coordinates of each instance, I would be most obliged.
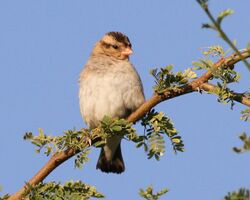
(223, 75)
(246, 113)
(156, 126)
(115, 126)
(56, 191)
(241, 194)
(52, 144)
(246, 144)
(226, 74)
(225, 95)
(77, 140)
(149, 195)
(214, 51)
(165, 79)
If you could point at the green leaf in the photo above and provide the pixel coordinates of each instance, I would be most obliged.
(224, 14)
(210, 26)
(82, 158)
(189, 73)
(169, 68)
(149, 194)
(176, 140)
(106, 120)
(117, 128)
(200, 65)
(99, 143)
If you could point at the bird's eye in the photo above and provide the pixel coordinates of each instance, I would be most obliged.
(115, 46)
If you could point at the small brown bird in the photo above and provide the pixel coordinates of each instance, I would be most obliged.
(111, 86)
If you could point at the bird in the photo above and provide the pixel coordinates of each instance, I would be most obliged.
(109, 85)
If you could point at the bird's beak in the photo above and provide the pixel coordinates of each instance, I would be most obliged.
(127, 51)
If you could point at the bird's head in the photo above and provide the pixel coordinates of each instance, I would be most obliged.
(114, 44)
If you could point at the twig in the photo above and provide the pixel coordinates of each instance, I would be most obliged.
(221, 32)
(237, 96)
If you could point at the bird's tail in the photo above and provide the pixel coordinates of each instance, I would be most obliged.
(116, 165)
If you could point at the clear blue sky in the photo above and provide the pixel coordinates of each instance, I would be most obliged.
(43, 47)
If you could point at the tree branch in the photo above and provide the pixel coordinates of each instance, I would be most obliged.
(191, 87)
(199, 83)
(239, 97)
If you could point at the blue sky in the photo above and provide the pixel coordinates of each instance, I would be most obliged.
(43, 47)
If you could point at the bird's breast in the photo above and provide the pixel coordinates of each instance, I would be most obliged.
(105, 92)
